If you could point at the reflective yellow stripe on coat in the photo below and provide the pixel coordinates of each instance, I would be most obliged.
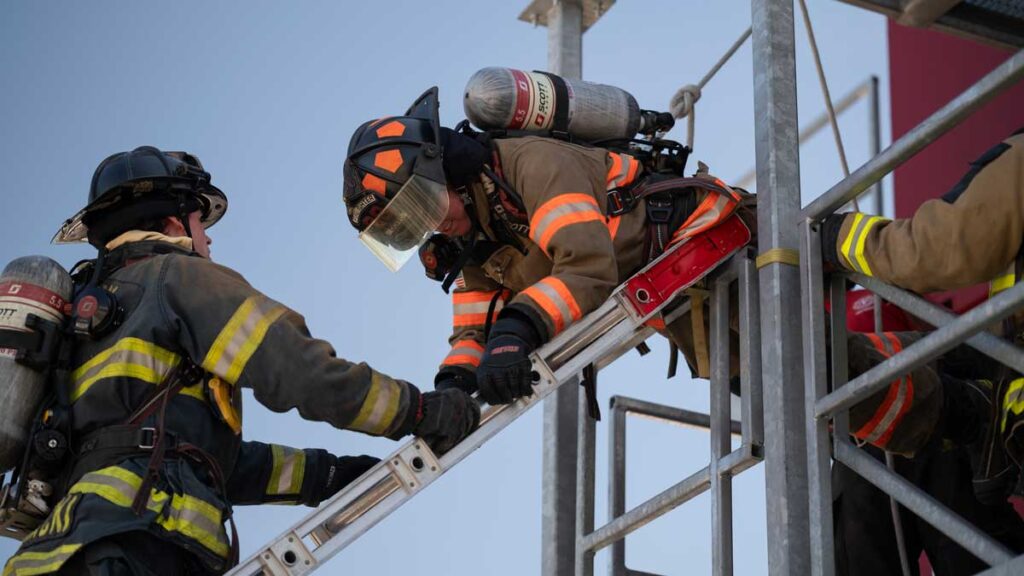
(241, 336)
(287, 472)
(32, 563)
(186, 515)
(379, 407)
(128, 357)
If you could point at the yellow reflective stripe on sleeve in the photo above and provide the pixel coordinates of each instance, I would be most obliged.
(31, 563)
(128, 357)
(288, 470)
(241, 336)
(380, 406)
(1013, 401)
(856, 240)
(1004, 281)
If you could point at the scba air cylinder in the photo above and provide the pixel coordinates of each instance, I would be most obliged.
(32, 285)
(503, 98)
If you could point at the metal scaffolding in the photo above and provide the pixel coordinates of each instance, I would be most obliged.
(794, 422)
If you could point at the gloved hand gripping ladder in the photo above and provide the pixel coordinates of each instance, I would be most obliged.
(599, 338)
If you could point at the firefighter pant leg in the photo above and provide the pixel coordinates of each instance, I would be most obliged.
(131, 554)
(865, 539)
(901, 417)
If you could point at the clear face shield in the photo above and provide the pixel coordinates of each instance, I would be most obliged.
(407, 222)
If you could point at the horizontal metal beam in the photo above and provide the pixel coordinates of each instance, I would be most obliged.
(1002, 77)
(1014, 567)
(694, 485)
(668, 414)
(919, 353)
(927, 508)
(697, 483)
(989, 344)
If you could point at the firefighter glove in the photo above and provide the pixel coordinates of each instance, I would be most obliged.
(455, 377)
(505, 371)
(332, 473)
(447, 417)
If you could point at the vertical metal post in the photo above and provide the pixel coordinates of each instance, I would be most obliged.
(875, 138)
(585, 488)
(815, 372)
(778, 181)
(617, 486)
(721, 423)
(558, 496)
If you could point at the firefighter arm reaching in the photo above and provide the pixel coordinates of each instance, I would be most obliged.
(970, 235)
(270, 473)
(249, 340)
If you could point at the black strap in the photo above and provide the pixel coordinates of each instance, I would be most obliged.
(589, 384)
(19, 340)
(561, 120)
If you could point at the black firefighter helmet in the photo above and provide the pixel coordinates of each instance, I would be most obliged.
(146, 183)
(395, 189)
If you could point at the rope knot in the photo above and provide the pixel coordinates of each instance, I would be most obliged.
(683, 100)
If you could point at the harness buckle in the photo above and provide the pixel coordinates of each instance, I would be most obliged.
(620, 201)
(147, 438)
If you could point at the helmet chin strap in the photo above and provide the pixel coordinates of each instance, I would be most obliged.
(183, 215)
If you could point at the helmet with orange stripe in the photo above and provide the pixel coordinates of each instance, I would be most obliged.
(395, 189)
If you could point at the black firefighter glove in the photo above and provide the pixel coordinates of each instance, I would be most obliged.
(455, 377)
(448, 416)
(330, 473)
(505, 372)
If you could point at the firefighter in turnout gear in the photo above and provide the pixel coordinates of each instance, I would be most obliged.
(546, 228)
(971, 234)
(155, 388)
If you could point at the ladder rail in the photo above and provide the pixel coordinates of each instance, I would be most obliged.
(600, 338)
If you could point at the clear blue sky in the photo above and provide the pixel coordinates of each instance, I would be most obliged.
(268, 93)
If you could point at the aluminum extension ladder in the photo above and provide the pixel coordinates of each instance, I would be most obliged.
(598, 339)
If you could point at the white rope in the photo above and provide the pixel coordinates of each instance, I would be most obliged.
(825, 93)
(682, 103)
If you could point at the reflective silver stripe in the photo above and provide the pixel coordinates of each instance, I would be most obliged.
(289, 466)
(556, 299)
(179, 513)
(709, 217)
(380, 406)
(851, 252)
(476, 307)
(464, 350)
(623, 171)
(126, 357)
(241, 336)
(890, 414)
(565, 209)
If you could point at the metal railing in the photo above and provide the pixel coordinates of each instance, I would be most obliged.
(724, 464)
(827, 412)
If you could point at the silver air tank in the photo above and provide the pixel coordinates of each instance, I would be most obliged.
(503, 98)
(30, 285)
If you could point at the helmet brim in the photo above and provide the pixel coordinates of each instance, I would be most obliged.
(74, 230)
